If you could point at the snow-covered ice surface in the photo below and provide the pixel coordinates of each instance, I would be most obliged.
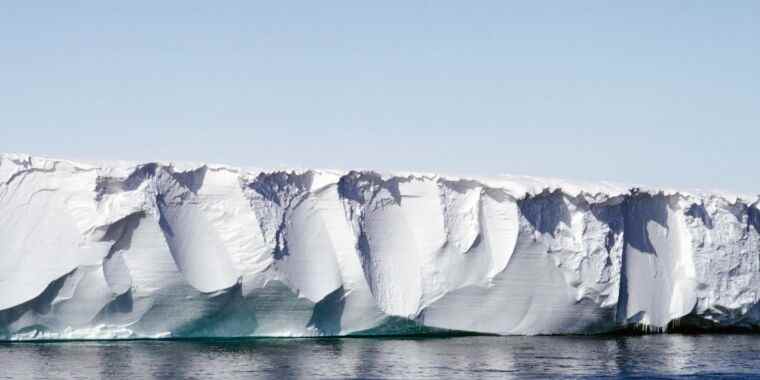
(127, 250)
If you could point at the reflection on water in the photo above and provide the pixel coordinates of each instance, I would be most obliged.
(736, 356)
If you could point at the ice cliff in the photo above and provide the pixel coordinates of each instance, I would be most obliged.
(124, 250)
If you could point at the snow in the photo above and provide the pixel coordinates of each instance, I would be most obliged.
(152, 250)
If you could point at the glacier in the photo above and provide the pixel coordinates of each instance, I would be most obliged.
(123, 250)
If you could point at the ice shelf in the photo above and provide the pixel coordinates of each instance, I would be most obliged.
(152, 250)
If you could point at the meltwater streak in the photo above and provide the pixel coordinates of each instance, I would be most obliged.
(162, 250)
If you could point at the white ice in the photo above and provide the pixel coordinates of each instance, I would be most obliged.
(150, 250)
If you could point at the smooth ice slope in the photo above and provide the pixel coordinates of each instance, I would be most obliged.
(165, 250)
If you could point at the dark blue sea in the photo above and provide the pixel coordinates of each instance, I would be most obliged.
(648, 356)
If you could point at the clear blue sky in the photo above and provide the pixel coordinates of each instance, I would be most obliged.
(654, 92)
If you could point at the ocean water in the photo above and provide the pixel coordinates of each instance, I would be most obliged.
(648, 356)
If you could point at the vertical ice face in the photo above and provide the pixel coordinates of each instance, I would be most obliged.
(225, 202)
(160, 250)
(726, 242)
(196, 247)
(294, 220)
(574, 246)
(392, 247)
(481, 226)
(42, 237)
(313, 247)
(352, 299)
(658, 264)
